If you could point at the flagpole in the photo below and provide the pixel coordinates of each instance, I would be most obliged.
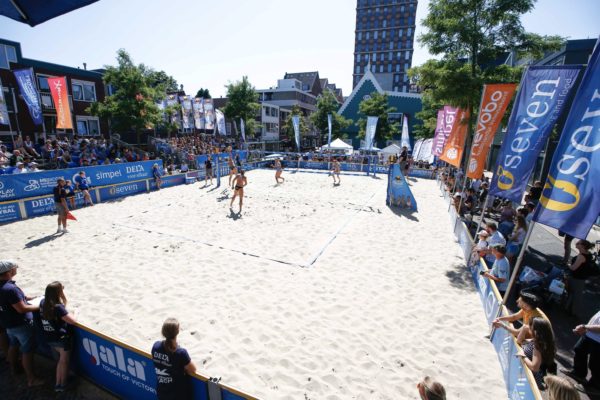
(518, 262)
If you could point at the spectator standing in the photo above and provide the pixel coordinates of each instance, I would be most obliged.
(70, 191)
(55, 320)
(582, 265)
(60, 202)
(172, 363)
(587, 353)
(495, 238)
(538, 354)
(500, 271)
(156, 176)
(208, 171)
(16, 317)
(516, 239)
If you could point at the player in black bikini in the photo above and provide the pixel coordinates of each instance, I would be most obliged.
(239, 182)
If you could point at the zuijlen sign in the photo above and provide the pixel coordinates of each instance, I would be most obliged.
(544, 94)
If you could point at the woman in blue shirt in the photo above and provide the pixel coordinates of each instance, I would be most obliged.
(171, 363)
(55, 329)
(83, 184)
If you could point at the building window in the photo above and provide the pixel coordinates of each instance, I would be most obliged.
(359, 36)
(407, 55)
(397, 67)
(375, 35)
(391, 45)
(88, 126)
(384, 24)
(396, 78)
(83, 91)
(43, 83)
(381, 68)
(408, 32)
(389, 68)
(367, 35)
(382, 56)
(400, 32)
(7, 54)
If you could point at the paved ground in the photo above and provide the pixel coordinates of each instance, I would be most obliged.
(546, 248)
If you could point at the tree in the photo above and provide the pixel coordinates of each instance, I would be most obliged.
(133, 103)
(159, 80)
(242, 103)
(203, 93)
(288, 125)
(377, 106)
(327, 104)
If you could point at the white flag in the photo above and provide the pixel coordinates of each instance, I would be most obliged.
(370, 131)
(243, 129)
(405, 137)
(296, 123)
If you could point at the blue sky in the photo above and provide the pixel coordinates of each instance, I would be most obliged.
(206, 44)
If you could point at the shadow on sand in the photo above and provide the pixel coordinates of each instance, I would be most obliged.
(234, 215)
(41, 241)
(410, 214)
(460, 277)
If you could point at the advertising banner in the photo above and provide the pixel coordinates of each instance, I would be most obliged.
(198, 107)
(398, 191)
(494, 100)
(45, 205)
(313, 165)
(449, 118)
(405, 136)
(417, 148)
(518, 378)
(168, 181)
(121, 190)
(545, 92)
(9, 212)
(221, 122)
(28, 89)
(370, 130)
(329, 130)
(34, 184)
(209, 115)
(439, 140)
(3, 109)
(455, 145)
(570, 199)
(172, 104)
(296, 124)
(59, 92)
(186, 111)
(491, 303)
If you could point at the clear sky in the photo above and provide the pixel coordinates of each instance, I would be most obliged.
(208, 43)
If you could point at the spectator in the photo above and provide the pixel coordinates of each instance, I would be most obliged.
(20, 169)
(478, 248)
(495, 238)
(33, 167)
(535, 192)
(16, 317)
(530, 207)
(588, 347)
(82, 183)
(500, 271)
(29, 147)
(560, 389)
(55, 319)
(208, 171)
(431, 390)
(538, 354)
(171, 363)
(516, 239)
(583, 265)
(60, 202)
(528, 304)
(156, 175)
(70, 191)
(507, 213)
(483, 194)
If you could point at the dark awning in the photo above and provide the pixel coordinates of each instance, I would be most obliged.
(34, 12)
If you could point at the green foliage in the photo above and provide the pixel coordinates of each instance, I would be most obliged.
(428, 116)
(535, 47)
(203, 93)
(377, 106)
(327, 104)
(132, 106)
(159, 80)
(288, 125)
(242, 103)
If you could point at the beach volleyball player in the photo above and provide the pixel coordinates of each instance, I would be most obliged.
(278, 170)
(335, 171)
(232, 168)
(239, 182)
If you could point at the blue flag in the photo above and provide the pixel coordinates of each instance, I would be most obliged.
(544, 93)
(28, 89)
(570, 200)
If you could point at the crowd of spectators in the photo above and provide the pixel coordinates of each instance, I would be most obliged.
(181, 151)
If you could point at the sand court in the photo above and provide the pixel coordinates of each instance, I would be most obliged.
(313, 292)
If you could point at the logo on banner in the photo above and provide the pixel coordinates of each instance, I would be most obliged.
(452, 153)
(113, 358)
(473, 165)
(33, 185)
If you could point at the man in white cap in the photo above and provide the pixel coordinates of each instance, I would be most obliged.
(20, 168)
(17, 318)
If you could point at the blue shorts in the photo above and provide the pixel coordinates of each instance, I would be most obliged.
(22, 335)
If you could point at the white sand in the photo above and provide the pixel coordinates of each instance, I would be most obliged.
(385, 304)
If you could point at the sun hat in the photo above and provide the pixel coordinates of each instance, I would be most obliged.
(7, 265)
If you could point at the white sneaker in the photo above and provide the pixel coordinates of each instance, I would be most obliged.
(59, 230)
(65, 230)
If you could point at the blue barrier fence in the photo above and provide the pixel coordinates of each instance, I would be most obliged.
(128, 372)
(520, 383)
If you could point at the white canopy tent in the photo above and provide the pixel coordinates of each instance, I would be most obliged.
(338, 145)
(392, 149)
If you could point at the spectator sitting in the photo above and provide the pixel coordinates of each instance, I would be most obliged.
(29, 147)
(469, 202)
(16, 158)
(55, 319)
(20, 169)
(507, 213)
(587, 346)
(560, 389)
(494, 238)
(538, 354)
(431, 390)
(478, 248)
(173, 362)
(33, 167)
(16, 317)
(516, 239)
(528, 304)
(500, 271)
(583, 265)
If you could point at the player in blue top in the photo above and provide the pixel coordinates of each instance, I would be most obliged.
(171, 363)
(55, 330)
(70, 192)
(156, 175)
(82, 183)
